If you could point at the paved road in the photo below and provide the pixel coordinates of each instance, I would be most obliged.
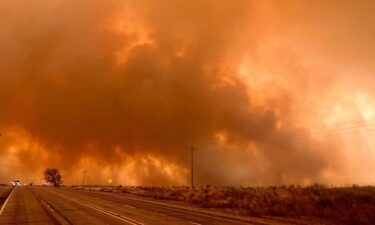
(23, 208)
(43, 205)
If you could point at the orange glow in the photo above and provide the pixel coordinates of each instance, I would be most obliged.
(124, 88)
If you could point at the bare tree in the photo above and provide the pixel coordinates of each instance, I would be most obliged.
(53, 176)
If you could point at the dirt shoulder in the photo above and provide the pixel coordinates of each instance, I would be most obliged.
(4, 193)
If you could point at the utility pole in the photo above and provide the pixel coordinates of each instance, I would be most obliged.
(192, 149)
(84, 177)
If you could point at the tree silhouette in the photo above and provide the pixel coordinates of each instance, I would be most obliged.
(53, 176)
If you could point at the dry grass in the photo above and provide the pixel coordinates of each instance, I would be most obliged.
(347, 205)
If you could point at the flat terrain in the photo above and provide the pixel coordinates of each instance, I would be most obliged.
(317, 204)
(47, 205)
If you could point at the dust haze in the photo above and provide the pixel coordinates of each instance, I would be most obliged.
(124, 88)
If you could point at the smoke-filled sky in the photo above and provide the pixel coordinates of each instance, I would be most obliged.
(268, 92)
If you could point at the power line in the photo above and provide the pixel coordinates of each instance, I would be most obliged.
(309, 132)
(351, 125)
(342, 124)
(321, 135)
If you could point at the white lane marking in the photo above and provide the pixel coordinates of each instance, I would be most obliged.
(117, 216)
(194, 223)
(129, 206)
(6, 201)
(192, 211)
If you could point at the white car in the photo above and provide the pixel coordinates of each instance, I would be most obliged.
(16, 183)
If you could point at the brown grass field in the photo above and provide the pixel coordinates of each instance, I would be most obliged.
(344, 205)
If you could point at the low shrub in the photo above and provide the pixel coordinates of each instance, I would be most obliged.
(353, 205)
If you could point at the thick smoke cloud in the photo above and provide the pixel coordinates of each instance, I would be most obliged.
(125, 88)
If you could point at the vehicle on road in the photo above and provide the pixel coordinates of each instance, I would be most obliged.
(16, 183)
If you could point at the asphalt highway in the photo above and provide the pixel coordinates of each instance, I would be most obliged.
(47, 205)
(21, 207)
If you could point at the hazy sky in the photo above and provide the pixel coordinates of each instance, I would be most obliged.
(269, 92)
